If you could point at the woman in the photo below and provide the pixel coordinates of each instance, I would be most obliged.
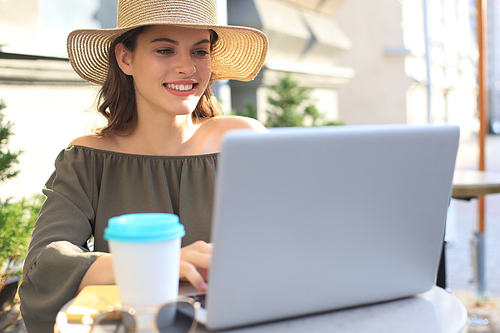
(157, 153)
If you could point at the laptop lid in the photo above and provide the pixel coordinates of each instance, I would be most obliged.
(308, 220)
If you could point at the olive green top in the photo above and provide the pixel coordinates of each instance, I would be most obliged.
(88, 187)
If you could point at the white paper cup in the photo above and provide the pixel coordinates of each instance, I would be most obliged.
(146, 254)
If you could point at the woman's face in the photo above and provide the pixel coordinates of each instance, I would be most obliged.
(170, 67)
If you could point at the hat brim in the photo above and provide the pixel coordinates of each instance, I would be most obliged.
(239, 53)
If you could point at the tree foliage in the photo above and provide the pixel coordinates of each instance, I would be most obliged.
(8, 159)
(17, 220)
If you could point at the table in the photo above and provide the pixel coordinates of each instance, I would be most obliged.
(433, 311)
(467, 185)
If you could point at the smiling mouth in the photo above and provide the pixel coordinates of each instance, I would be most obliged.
(181, 87)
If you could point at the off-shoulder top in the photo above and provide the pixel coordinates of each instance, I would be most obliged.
(88, 187)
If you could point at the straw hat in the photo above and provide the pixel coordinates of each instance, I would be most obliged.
(238, 54)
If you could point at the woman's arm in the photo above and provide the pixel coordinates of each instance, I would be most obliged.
(194, 264)
(58, 257)
(100, 272)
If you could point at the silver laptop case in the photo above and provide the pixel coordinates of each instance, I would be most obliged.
(308, 220)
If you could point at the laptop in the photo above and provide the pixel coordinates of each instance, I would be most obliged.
(308, 220)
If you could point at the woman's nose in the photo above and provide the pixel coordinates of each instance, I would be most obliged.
(185, 64)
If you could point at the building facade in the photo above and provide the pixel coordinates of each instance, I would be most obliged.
(405, 51)
(493, 32)
(304, 41)
(46, 101)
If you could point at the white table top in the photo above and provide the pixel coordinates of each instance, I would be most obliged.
(434, 311)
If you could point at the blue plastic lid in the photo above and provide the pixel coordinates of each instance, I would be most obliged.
(144, 228)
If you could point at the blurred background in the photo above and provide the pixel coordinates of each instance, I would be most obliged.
(365, 62)
(352, 61)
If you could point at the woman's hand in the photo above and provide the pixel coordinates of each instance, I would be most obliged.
(195, 262)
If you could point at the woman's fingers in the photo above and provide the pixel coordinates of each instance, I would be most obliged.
(200, 246)
(198, 259)
(195, 263)
(190, 273)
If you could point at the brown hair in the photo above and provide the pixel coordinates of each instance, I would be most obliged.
(116, 99)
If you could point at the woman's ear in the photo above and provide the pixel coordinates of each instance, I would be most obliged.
(123, 58)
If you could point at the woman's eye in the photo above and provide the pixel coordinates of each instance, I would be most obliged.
(165, 51)
(202, 53)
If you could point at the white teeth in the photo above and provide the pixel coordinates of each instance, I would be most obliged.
(180, 87)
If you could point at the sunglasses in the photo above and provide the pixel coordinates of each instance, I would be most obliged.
(173, 317)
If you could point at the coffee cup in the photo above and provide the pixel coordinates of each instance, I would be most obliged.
(146, 258)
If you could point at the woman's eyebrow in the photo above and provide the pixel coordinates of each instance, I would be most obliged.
(171, 41)
(164, 39)
(203, 41)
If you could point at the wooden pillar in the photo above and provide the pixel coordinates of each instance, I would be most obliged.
(482, 97)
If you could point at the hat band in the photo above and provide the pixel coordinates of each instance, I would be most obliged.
(136, 13)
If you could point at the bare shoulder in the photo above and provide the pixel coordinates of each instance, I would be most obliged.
(94, 141)
(212, 131)
(226, 123)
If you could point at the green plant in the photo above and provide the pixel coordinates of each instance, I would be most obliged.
(249, 110)
(17, 220)
(290, 105)
(7, 158)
